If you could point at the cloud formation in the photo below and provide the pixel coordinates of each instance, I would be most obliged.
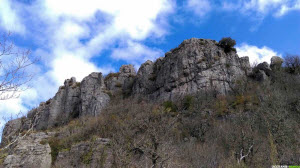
(261, 8)
(256, 54)
(9, 18)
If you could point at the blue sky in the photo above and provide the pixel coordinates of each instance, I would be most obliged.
(75, 38)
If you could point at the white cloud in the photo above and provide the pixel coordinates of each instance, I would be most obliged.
(286, 8)
(12, 106)
(256, 54)
(261, 8)
(9, 19)
(136, 53)
(199, 7)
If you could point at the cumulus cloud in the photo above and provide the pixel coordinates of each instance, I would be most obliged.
(256, 54)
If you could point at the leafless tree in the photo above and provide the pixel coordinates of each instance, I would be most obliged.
(292, 62)
(13, 68)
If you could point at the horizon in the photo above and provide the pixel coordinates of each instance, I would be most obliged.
(77, 38)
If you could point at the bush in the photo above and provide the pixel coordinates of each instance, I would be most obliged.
(188, 102)
(170, 106)
(227, 43)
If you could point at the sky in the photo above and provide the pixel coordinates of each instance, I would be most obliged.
(75, 38)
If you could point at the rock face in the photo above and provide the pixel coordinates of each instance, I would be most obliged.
(30, 152)
(197, 64)
(121, 81)
(61, 108)
(93, 99)
(72, 100)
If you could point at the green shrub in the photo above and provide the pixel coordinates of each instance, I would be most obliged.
(170, 106)
(55, 148)
(87, 157)
(3, 155)
(188, 102)
(227, 43)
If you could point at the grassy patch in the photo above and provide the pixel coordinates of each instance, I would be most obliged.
(87, 157)
(3, 155)
(111, 75)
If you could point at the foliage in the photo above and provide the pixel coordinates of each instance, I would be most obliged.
(3, 155)
(188, 102)
(86, 158)
(55, 148)
(170, 106)
(227, 43)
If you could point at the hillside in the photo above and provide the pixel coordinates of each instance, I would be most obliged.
(201, 105)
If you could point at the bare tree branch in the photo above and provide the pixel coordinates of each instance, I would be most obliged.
(13, 69)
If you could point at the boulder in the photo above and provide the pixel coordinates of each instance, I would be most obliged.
(261, 72)
(276, 63)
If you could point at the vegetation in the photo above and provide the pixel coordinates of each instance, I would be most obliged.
(292, 64)
(254, 126)
(227, 43)
(3, 155)
(111, 75)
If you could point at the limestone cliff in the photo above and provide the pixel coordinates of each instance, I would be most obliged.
(195, 65)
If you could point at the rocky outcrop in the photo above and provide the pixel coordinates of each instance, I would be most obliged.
(121, 81)
(196, 64)
(92, 97)
(30, 152)
(276, 63)
(64, 106)
(261, 72)
(72, 100)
